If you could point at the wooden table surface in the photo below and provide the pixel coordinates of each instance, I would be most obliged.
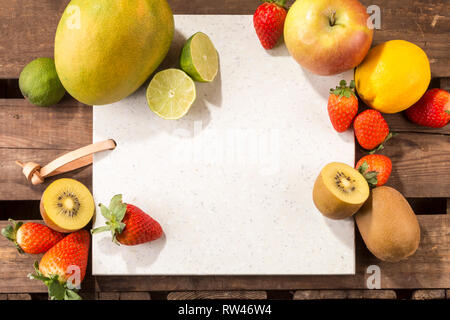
(420, 156)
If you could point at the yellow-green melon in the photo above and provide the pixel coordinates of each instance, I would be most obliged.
(106, 49)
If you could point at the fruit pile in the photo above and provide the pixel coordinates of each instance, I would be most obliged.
(330, 37)
(67, 207)
(113, 49)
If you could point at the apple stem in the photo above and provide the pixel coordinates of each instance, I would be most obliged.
(333, 18)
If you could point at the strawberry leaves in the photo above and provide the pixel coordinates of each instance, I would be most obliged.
(370, 176)
(343, 90)
(10, 233)
(281, 3)
(56, 289)
(114, 216)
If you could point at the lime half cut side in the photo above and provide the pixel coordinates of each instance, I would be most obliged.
(199, 58)
(171, 93)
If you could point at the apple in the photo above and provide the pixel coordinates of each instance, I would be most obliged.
(327, 36)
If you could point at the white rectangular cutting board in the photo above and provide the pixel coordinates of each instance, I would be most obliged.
(231, 182)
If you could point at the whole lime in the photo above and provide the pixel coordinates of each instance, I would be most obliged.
(39, 83)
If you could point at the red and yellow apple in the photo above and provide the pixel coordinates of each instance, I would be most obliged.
(327, 36)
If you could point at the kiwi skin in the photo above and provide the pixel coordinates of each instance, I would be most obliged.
(329, 205)
(388, 225)
(49, 222)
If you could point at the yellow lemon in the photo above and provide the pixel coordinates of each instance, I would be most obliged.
(393, 76)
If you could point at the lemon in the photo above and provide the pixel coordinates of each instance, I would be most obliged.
(171, 93)
(393, 76)
(199, 58)
(40, 84)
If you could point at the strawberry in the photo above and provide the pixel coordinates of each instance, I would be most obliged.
(432, 110)
(342, 105)
(371, 130)
(31, 237)
(376, 168)
(128, 224)
(63, 267)
(268, 21)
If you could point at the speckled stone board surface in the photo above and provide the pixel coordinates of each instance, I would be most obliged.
(231, 182)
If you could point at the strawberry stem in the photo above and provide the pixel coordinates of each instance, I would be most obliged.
(342, 90)
(114, 216)
(381, 146)
(281, 3)
(370, 176)
(332, 19)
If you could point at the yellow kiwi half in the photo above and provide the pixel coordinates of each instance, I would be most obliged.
(67, 205)
(339, 191)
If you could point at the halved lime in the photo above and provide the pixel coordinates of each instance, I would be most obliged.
(199, 58)
(171, 93)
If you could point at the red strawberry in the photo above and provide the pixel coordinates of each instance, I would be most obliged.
(128, 224)
(31, 237)
(371, 130)
(63, 267)
(268, 21)
(376, 168)
(342, 105)
(432, 110)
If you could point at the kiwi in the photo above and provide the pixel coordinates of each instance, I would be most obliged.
(388, 225)
(67, 205)
(339, 191)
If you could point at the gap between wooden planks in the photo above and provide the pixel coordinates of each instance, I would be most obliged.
(428, 268)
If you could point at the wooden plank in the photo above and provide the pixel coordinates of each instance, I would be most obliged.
(429, 267)
(214, 295)
(66, 126)
(134, 296)
(428, 294)
(344, 294)
(14, 186)
(30, 133)
(420, 164)
(399, 123)
(109, 295)
(19, 296)
(28, 28)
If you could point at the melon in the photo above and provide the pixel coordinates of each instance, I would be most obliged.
(106, 49)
